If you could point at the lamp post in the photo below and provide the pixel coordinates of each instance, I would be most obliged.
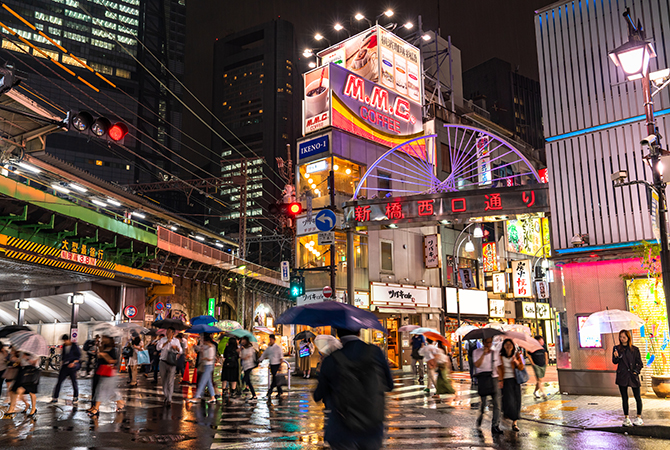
(469, 247)
(22, 306)
(75, 300)
(633, 58)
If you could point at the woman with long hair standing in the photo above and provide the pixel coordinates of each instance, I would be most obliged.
(629, 364)
(249, 362)
(230, 372)
(205, 369)
(511, 390)
(106, 389)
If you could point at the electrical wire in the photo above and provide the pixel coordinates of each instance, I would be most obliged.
(96, 22)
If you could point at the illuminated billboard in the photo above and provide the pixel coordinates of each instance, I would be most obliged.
(528, 236)
(382, 57)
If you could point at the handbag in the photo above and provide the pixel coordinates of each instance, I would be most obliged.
(105, 370)
(127, 352)
(171, 358)
(281, 380)
(143, 357)
(30, 375)
(10, 373)
(521, 375)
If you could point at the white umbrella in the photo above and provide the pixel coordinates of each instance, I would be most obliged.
(464, 329)
(611, 321)
(29, 342)
(327, 344)
(422, 330)
(518, 328)
(107, 329)
(523, 340)
(407, 328)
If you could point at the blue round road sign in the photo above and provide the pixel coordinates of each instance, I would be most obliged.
(325, 220)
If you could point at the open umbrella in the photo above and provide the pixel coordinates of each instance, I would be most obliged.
(229, 325)
(482, 333)
(304, 335)
(335, 314)
(407, 328)
(29, 342)
(243, 334)
(9, 329)
(203, 320)
(203, 328)
(150, 332)
(265, 330)
(171, 323)
(422, 330)
(107, 329)
(524, 341)
(464, 329)
(327, 344)
(436, 337)
(130, 326)
(611, 321)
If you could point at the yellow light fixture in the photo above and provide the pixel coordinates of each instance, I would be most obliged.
(335, 167)
(310, 181)
(348, 171)
(313, 186)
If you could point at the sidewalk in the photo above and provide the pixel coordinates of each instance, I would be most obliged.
(602, 413)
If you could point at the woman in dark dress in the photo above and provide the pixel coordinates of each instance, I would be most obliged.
(230, 372)
(26, 382)
(629, 364)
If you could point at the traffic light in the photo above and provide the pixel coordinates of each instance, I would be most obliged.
(297, 287)
(285, 209)
(100, 127)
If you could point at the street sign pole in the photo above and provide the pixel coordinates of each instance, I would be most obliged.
(331, 183)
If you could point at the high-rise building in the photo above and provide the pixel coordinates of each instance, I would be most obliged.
(512, 99)
(254, 96)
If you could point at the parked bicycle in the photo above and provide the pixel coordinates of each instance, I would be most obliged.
(52, 361)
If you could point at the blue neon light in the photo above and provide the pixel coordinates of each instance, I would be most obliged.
(605, 126)
(601, 247)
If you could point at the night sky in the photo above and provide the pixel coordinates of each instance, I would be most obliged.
(482, 29)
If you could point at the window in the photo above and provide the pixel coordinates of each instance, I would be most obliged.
(67, 59)
(43, 52)
(102, 44)
(102, 68)
(445, 156)
(384, 184)
(122, 73)
(386, 252)
(77, 15)
(48, 18)
(14, 47)
(75, 37)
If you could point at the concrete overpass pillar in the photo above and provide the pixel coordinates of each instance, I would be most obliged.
(75, 300)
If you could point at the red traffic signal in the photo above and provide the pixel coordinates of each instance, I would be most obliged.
(117, 131)
(294, 208)
(101, 127)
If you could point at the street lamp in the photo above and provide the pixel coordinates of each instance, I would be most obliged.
(308, 53)
(319, 37)
(21, 306)
(338, 27)
(360, 17)
(633, 58)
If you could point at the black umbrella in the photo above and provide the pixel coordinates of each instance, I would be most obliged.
(150, 332)
(9, 329)
(304, 335)
(482, 333)
(171, 323)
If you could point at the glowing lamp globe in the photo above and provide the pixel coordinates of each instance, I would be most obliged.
(633, 58)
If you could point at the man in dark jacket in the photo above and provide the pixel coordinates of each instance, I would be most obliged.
(70, 362)
(338, 435)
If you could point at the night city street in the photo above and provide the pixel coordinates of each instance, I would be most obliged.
(348, 225)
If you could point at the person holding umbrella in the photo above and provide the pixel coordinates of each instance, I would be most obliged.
(27, 382)
(249, 362)
(485, 362)
(230, 370)
(510, 361)
(170, 349)
(629, 364)
(207, 360)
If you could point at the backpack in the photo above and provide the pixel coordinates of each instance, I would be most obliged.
(539, 358)
(88, 345)
(361, 404)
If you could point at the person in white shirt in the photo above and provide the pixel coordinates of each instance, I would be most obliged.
(165, 345)
(248, 355)
(274, 354)
(486, 363)
(207, 360)
(510, 359)
(429, 352)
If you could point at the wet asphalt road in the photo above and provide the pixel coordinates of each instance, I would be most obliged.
(292, 422)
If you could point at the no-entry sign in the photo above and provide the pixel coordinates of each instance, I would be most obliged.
(327, 291)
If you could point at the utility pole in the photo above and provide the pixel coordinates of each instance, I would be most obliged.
(287, 174)
(333, 262)
(242, 249)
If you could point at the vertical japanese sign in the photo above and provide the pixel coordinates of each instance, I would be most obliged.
(210, 306)
(499, 283)
(490, 257)
(484, 160)
(542, 289)
(466, 279)
(521, 278)
(431, 251)
(496, 308)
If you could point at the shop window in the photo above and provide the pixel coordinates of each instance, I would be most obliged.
(347, 176)
(384, 184)
(386, 253)
(445, 156)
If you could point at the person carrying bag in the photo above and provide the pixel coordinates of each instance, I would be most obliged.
(484, 361)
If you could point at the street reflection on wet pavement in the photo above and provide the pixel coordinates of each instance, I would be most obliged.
(295, 421)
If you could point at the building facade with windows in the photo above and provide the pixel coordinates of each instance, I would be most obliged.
(594, 122)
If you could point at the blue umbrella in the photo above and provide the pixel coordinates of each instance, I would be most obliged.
(203, 328)
(243, 334)
(203, 320)
(330, 313)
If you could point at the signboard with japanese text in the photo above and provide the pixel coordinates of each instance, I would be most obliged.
(496, 308)
(521, 278)
(81, 253)
(362, 300)
(543, 310)
(524, 236)
(317, 296)
(387, 295)
(452, 206)
(490, 255)
(467, 282)
(499, 283)
(431, 251)
(483, 160)
(82, 259)
(380, 56)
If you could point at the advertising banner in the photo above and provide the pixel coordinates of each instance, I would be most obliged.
(371, 111)
(316, 103)
(490, 254)
(484, 160)
(387, 295)
(499, 283)
(525, 236)
(382, 57)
